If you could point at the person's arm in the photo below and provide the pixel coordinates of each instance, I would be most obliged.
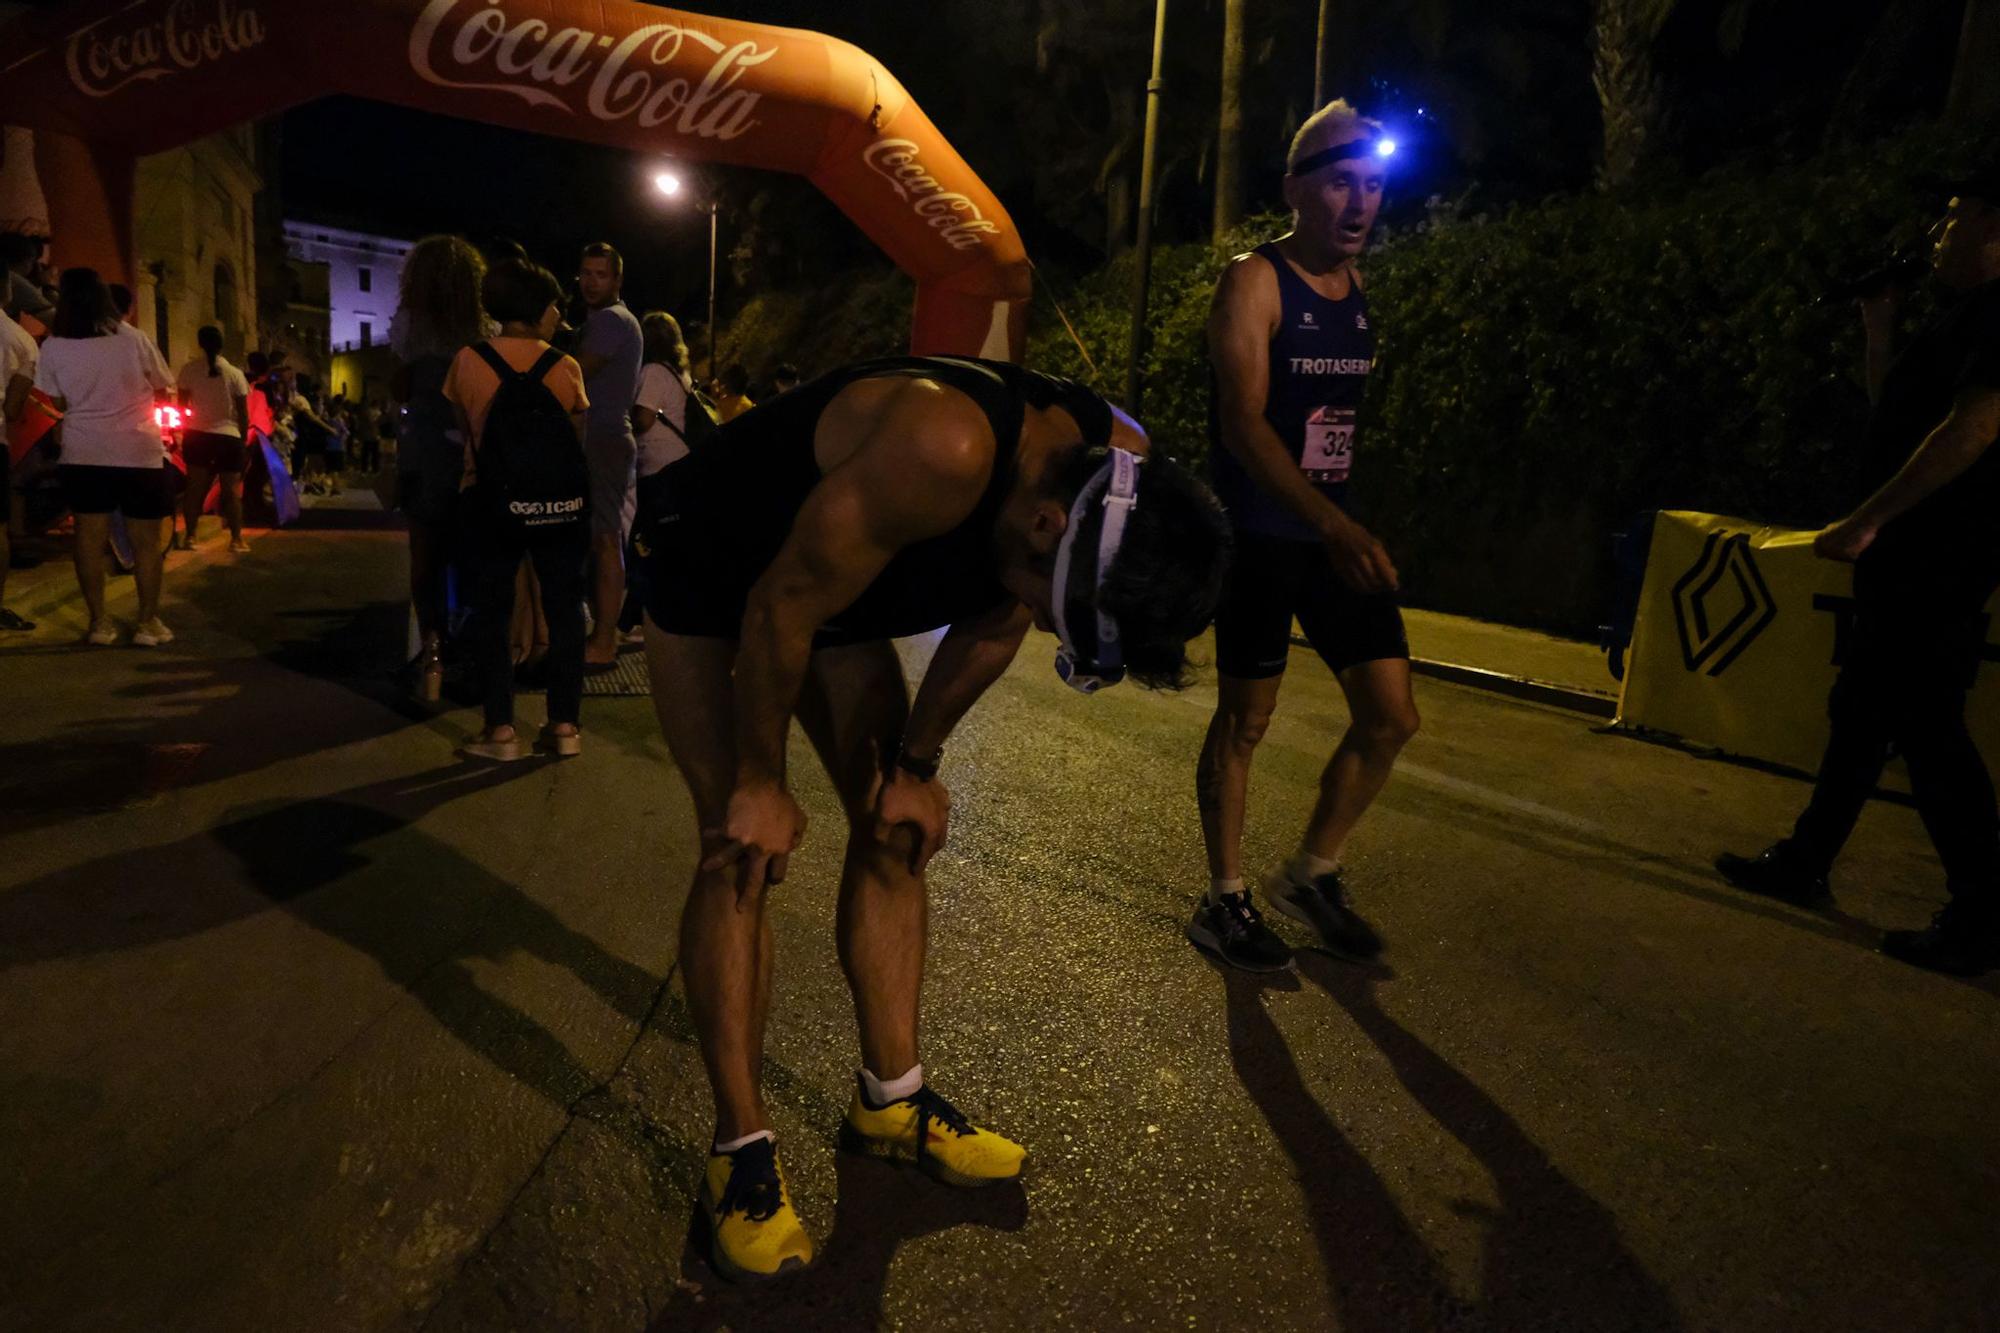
(579, 406)
(643, 416)
(1240, 323)
(1878, 326)
(593, 349)
(16, 396)
(239, 406)
(1967, 432)
(914, 478)
(969, 659)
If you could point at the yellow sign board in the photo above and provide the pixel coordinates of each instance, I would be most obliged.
(1738, 640)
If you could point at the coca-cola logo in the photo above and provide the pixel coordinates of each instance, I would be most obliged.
(958, 221)
(188, 35)
(659, 74)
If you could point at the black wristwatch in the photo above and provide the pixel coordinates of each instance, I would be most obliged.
(923, 770)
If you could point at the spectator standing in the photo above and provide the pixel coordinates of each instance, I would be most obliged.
(541, 388)
(438, 312)
(367, 438)
(22, 276)
(659, 422)
(18, 355)
(734, 400)
(218, 394)
(609, 351)
(659, 414)
(113, 459)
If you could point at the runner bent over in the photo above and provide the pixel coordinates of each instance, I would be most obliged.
(884, 500)
(1291, 348)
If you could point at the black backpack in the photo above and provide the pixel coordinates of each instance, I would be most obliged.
(533, 480)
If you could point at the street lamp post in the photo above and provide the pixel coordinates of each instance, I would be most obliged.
(669, 184)
(714, 208)
(1142, 273)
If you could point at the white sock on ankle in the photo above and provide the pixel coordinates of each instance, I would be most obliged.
(743, 1142)
(1218, 887)
(881, 1092)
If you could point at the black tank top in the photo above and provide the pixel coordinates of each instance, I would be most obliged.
(1319, 360)
(743, 492)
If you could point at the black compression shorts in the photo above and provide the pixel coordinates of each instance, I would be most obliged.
(1273, 581)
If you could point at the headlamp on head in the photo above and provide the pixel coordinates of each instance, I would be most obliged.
(1091, 657)
(1371, 144)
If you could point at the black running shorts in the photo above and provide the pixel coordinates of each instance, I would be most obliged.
(1273, 581)
(215, 453)
(136, 492)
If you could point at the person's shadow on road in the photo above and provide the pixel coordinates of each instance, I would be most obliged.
(1553, 1256)
(880, 1207)
(354, 867)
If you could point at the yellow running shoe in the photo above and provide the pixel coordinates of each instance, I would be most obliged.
(753, 1232)
(930, 1133)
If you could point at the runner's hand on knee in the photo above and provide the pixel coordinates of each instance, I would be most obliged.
(763, 827)
(906, 801)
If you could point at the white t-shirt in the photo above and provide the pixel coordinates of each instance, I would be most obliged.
(18, 355)
(666, 393)
(108, 384)
(213, 397)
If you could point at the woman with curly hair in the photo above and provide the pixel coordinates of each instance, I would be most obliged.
(437, 312)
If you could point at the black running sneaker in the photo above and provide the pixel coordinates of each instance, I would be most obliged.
(1322, 904)
(1234, 931)
(1776, 873)
(1956, 942)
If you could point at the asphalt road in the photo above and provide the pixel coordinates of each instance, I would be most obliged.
(306, 1025)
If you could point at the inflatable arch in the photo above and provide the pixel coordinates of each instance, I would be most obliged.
(103, 81)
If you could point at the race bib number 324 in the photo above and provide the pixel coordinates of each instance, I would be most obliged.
(1328, 457)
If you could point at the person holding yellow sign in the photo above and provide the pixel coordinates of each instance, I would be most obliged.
(1926, 551)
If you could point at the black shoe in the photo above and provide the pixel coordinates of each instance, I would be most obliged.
(1234, 931)
(20, 559)
(1776, 873)
(1322, 904)
(1956, 942)
(10, 621)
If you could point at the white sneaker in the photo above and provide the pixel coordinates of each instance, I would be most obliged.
(152, 634)
(103, 634)
(237, 546)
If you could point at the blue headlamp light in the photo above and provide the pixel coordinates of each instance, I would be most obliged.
(1090, 657)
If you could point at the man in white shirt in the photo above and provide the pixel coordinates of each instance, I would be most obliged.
(17, 376)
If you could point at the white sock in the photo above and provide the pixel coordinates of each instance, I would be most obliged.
(1218, 887)
(743, 1142)
(1304, 867)
(880, 1092)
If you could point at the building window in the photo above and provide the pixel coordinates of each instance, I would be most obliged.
(367, 280)
(367, 331)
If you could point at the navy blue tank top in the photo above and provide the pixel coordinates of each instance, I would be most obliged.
(1319, 361)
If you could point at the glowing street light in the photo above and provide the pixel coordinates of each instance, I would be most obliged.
(668, 182)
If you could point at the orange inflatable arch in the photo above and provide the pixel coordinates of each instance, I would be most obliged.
(104, 81)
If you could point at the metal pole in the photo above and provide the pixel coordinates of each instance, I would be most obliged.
(1143, 273)
(1319, 56)
(714, 207)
